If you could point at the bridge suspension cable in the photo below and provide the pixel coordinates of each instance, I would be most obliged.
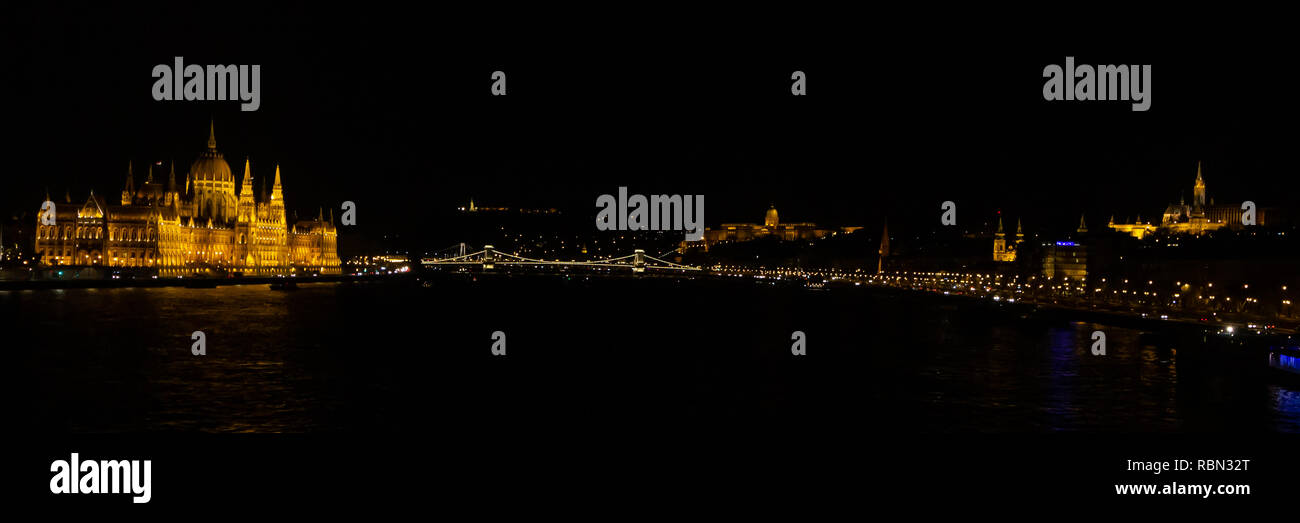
(489, 257)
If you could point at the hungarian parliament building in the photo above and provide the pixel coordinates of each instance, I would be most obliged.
(205, 227)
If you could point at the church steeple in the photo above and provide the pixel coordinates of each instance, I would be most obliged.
(1000, 251)
(1083, 225)
(1020, 232)
(1198, 191)
(212, 134)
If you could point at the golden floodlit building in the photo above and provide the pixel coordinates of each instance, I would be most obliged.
(1198, 218)
(204, 227)
(772, 227)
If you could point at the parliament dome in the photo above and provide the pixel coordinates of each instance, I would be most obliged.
(211, 165)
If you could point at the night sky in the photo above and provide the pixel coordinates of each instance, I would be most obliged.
(392, 110)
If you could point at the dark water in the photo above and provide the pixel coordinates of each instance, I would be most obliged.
(385, 357)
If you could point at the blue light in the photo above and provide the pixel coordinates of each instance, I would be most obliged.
(1065, 244)
(1284, 362)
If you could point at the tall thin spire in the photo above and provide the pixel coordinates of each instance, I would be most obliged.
(246, 188)
(276, 193)
(1198, 190)
(130, 179)
(1083, 224)
(884, 248)
(212, 134)
(171, 177)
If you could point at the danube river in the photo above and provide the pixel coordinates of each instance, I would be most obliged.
(403, 357)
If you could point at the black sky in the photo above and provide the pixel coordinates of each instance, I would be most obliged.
(391, 109)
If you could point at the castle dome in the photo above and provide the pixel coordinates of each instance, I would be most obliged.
(770, 219)
(211, 165)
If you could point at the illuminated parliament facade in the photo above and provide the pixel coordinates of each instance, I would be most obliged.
(206, 226)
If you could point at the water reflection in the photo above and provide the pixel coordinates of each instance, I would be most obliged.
(366, 357)
(1287, 403)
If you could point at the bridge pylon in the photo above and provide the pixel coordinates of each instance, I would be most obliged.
(638, 261)
(489, 257)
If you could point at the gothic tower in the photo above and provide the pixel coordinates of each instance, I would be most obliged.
(128, 192)
(884, 248)
(1198, 198)
(999, 242)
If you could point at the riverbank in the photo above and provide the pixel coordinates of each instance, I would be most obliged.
(122, 283)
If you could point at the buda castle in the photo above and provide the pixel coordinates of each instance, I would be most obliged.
(206, 226)
(772, 227)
